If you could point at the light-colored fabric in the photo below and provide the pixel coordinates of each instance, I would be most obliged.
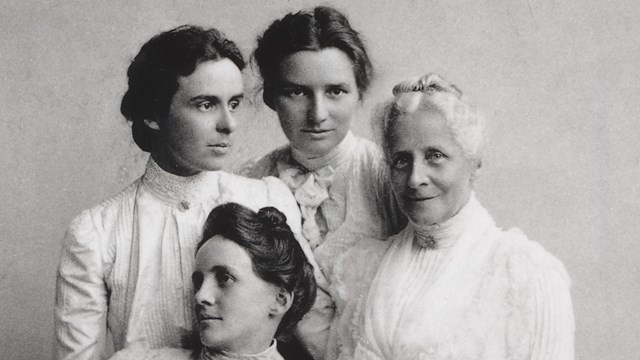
(126, 264)
(310, 190)
(140, 353)
(481, 293)
(360, 205)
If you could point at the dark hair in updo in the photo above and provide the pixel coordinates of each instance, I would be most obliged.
(276, 255)
(153, 74)
(320, 28)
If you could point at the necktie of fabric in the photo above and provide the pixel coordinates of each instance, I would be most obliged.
(310, 188)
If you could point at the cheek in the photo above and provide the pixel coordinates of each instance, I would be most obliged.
(398, 181)
(290, 116)
(345, 112)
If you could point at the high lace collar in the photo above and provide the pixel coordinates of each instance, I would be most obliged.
(271, 353)
(445, 234)
(180, 190)
(333, 158)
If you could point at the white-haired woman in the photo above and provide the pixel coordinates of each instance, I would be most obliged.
(452, 285)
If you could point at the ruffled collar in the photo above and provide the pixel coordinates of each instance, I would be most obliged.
(271, 353)
(333, 158)
(445, 234)
(182, 191)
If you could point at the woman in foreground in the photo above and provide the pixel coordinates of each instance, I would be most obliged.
(452, 285)
(252, 283)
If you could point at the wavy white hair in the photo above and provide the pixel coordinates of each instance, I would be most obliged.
(431, 92)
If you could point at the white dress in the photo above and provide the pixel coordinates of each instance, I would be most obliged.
(482, 293)
(348, 197)
(271, 353)
(126, 263)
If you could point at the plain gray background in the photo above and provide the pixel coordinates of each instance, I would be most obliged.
(558, 80)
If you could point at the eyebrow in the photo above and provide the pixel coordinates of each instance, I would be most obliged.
(292, 84)
(215, 99)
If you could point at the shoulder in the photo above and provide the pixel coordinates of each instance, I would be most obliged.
(103, 216)
(258, 193)
(266, 165)
(527, 262)
(367, 153)
(141, 353)
(259, 190)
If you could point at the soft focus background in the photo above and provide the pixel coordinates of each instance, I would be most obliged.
(558, 80)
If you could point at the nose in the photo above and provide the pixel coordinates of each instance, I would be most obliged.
(226, 123)
(318, 112)
(419, 174)
(205, 296)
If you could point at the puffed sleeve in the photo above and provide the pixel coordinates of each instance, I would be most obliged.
(313, 329)
(81, 295)
(553, 322)
(542, 287)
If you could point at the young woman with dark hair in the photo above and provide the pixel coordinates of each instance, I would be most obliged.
(316, 70)
(126, 263)
(252, 283)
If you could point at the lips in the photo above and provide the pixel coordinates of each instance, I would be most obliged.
(220, 148)
(316, 131)
(205, 317)
(419, 197)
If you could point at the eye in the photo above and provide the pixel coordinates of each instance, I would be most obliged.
(436, 157)
(234, 105)
(197, 279)
(401, 162)
(336, 91)
(293, 92)
(205, 106)
(224, 279)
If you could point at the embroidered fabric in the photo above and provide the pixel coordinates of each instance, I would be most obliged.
(489, 294)
(181, 190)
(126, 264)
(310, 184)
(271, 353)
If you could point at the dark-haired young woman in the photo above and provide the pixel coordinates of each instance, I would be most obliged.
(316, 71)
(126, 263)
(252, 283)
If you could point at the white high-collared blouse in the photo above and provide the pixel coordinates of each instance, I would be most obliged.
(126, 263)
(356, 203)
(482, 293)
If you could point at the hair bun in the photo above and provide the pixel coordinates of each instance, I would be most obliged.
(272, 218)
(427, 83)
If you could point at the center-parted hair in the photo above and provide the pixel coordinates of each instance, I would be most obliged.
(276, 255)
(153, 73)
(320, 28)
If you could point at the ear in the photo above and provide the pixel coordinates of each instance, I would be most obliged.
(283, 300)
(153, 124)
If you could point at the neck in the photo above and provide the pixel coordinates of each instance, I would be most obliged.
(333, 157)
(446, 233)
(172, 167)
(215, 352)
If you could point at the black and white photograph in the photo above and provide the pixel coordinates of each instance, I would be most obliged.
(320, 180)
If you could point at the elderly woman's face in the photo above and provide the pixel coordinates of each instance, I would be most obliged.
(431, 176)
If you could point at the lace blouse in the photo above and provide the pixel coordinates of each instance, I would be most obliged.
(481, 293)
(271, 353)
(126, 264)
(347, 196)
